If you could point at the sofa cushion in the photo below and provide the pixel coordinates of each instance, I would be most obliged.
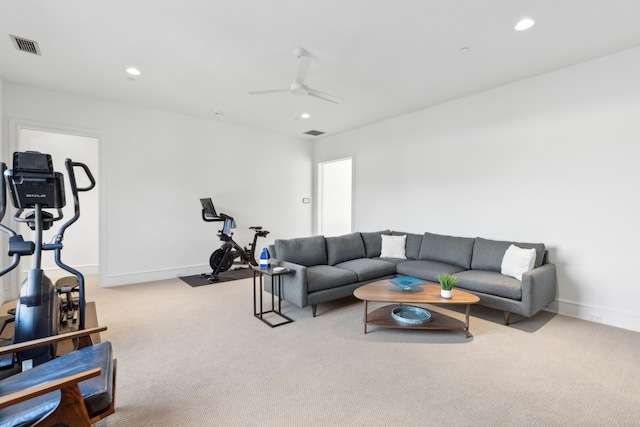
(488, 254)
(344, 248)
(448, 249)
(372, 242)
(305, 251)
(320, 277)
(368, 269)
(394, 261)
(490, 282)
(414, 241)
(394, 247)
(426, 270)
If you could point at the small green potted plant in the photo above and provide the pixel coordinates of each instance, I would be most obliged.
(446, 284)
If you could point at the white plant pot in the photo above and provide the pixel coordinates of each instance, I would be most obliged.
(446, 294)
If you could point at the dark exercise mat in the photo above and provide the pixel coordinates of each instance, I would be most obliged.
(227, 276)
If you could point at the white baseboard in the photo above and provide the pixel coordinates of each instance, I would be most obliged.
(152, 276)
(604, 315)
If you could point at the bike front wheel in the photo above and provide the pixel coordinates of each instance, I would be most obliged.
(218, 259)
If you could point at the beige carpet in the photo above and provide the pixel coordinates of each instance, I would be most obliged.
(197, 357)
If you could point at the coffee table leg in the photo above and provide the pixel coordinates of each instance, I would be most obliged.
(365, 316)
(467, 320)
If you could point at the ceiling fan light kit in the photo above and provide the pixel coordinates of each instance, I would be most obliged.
(298, 87)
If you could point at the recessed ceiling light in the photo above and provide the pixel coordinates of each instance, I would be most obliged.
(525, 24)
(305, 115)
(133, 71)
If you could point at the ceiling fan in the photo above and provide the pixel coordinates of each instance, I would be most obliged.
(298, 87)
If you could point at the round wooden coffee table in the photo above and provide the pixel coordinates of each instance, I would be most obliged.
(428, 293)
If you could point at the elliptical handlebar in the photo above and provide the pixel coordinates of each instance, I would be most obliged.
(3, 192)
(57, 247)
(69, 164)
(3, 210)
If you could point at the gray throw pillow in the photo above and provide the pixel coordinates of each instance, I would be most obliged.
(344, 248)
(448, 249)
(414, 242)
(373, 242)
(305, 251)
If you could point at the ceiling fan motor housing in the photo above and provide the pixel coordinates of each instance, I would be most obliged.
(298, 89)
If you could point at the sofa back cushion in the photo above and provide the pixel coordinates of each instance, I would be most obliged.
(305, 251)
(344, 248)
(448, 249)
(373, 242)
(488, 254)
(414, 242)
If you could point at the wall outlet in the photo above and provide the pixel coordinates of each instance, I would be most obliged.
(594, 316)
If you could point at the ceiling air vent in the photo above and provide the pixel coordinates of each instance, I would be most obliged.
(26, 45)
(314, 132)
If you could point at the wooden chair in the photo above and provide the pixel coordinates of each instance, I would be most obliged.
(85, 379)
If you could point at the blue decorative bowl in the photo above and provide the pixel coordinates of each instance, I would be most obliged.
(406, 282)
(411, 315)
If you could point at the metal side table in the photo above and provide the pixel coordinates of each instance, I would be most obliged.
(276, 280)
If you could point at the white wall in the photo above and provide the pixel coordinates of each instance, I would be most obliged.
(154, 168)
(551, 159)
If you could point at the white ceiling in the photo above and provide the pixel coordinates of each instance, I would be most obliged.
(384, 58)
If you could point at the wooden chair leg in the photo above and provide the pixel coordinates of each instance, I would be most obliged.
(314, 307)
(506, 317)
(71, 410)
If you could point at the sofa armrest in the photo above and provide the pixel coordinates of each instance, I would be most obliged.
(538, 288)
(294, 285)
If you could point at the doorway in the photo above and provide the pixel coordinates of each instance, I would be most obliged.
(335, 195)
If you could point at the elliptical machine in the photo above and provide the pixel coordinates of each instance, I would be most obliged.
(222, 259)
(34, 187)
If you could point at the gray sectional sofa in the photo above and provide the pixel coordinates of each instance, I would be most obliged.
(328, 268)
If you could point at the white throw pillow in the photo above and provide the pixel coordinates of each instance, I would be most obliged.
(393, 246)
(517, 261)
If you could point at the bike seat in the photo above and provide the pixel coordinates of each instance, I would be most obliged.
(255, 228)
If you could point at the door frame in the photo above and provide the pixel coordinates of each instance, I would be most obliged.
(319, 190)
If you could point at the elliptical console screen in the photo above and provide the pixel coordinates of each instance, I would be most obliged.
(33, 181)
(32, 161)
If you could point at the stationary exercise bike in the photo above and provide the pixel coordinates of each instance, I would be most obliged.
(222, 259)
(35, 187)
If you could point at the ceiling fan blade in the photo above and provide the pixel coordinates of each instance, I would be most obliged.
(263, 92)
(303, 67)
(323, 96)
